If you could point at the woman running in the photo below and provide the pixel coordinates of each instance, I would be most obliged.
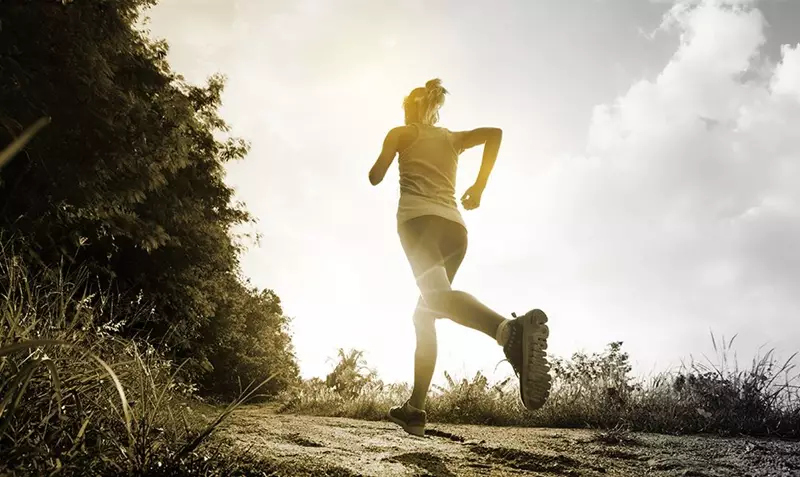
(434, 238)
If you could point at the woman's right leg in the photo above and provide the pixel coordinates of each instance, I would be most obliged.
(523, 339)
(435, 248)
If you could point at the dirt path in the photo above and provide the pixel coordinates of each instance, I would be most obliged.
(347, 447)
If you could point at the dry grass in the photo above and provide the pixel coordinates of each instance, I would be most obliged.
(596, 391)
(76, 400)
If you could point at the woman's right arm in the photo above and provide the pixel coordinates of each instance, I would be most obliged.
(491, 139)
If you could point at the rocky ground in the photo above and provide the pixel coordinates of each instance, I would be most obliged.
(347, 447)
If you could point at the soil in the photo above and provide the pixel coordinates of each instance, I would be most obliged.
(347, 448)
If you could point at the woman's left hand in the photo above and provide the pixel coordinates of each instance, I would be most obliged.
(472, 197)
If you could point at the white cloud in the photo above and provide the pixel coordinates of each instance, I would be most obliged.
(688, 190)
(709, 2)
(787, 77)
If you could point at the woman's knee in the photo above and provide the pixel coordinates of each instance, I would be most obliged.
(424, 320)
(438, 301)
(425, 328)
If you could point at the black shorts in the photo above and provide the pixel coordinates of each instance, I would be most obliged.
(431, 241)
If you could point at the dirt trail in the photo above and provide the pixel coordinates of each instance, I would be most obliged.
(347, 447)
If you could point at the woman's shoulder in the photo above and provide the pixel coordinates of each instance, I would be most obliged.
(404, 130)
(405, 135)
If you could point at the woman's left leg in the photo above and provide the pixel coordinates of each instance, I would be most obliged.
(453, 252)
(424, 354)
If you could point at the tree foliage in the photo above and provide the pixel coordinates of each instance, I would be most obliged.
(350, 374)
(128, 179)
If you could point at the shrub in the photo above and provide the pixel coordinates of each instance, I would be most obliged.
(596, 390)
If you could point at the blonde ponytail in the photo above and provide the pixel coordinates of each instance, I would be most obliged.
(422, 104)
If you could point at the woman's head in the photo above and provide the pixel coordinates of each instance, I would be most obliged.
(422, 104)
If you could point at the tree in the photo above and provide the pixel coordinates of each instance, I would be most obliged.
(350, 374)
(128, 179)
(250, 335)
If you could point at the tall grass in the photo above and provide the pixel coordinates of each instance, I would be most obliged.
(77, 400)
(597, 391)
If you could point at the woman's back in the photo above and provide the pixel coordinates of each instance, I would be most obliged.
(429, 158)
(428, 166)
(428, 175)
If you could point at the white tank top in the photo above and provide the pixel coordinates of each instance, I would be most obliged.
(428, 176)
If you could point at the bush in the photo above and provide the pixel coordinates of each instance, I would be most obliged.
(596, 390)
(473, 402)
(728, 400)
(351, 389)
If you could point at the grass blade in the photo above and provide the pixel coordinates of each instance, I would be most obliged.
(126, 410)
(51, 367)
(31, 344)
(16, 391)
(20, 141)
(247, 394)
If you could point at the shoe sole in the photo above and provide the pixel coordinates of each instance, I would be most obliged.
(418, 431)
(535, 380)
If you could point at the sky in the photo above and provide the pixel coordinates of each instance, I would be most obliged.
(645, 190)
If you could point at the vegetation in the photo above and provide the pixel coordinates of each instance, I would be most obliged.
(350, 375)
(121, 300)
(122, 306)
(77, 399)
(591, 390)
(127, 182)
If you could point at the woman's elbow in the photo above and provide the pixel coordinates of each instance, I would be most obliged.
(375, 178)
